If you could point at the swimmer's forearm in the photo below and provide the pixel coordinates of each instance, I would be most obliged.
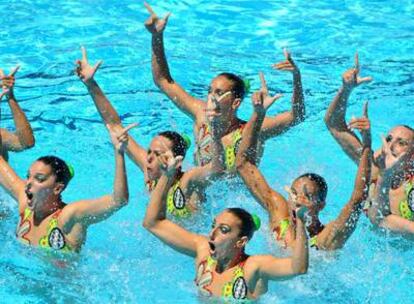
(105, 109)
(121, 194)
(156, 210)
(248, 145)
(300, 254)
(160, 69)
(298, 100)
(335, 115)
(24, 130)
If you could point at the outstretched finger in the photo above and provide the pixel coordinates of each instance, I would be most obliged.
(263, 82)
(84, 55)
(273, 99)
(287, 54)
(14, 70)
(356, 61)
(166, 17)
(1, 73)
(365, 110)
(149, 8)
(129, 127)
(364, 79)
(97, 65)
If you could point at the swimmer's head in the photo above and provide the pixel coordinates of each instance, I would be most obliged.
(225, 94)
(47, 177)
(400, 139)
(163, 142)
(231, 231)
(309, 190)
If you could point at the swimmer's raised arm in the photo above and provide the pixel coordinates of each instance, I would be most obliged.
(335, 115)
(271, 200)
(155, 220)
(23, 137)
(9, 180)
(161, 73)
(87, 212)
(336, 233)
(109, 115)
(271, 268)
(280, 123)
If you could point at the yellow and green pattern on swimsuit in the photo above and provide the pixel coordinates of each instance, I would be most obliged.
(176, 202)
(231, 150)
(406, 206)
(313, 241)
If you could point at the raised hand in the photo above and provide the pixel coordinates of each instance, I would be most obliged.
(351, 77)
(7, 81)
(119, 136)
(84, 70)
(363, 125)
(170, 163)
(153, 24)
(261, 99)
(287, 65)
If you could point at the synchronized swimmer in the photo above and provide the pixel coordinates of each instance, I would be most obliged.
(225, 146)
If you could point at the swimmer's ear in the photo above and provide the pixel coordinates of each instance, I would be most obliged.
(242, 242)
(236, 103)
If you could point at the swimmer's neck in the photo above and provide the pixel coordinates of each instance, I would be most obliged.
(315, 227)
(48, 209)
(231, 123)
(225, 264)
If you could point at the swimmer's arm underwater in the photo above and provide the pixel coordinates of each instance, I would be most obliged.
(337, 232)
(109, 115)
(155, 220)
(271, 200)
(280, 123)
(191, 106)
(87, 212)
(23, 137)
(335, 115)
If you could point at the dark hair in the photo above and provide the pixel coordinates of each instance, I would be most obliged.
(179, 145)
(247, 227)
(59, 168)
(320, 182)
(407, 127)
(239, 88)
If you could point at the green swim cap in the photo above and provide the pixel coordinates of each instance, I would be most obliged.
(187, 140)
(71, 170)
(256, 221)
(246, 85)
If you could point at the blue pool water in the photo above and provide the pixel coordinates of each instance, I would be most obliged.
(122, 263)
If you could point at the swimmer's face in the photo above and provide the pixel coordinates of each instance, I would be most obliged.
(40, 185)
(159, 145)
(305, 192)
(400, 140)
(221, 99)
(224, 239)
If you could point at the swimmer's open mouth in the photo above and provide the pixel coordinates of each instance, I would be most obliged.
(212, 247)
(29, 196)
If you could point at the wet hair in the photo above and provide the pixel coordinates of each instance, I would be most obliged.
(179, 145)
(247, 227)
(319, 181)
(408, 127)
(239, 88)
(59, 168)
